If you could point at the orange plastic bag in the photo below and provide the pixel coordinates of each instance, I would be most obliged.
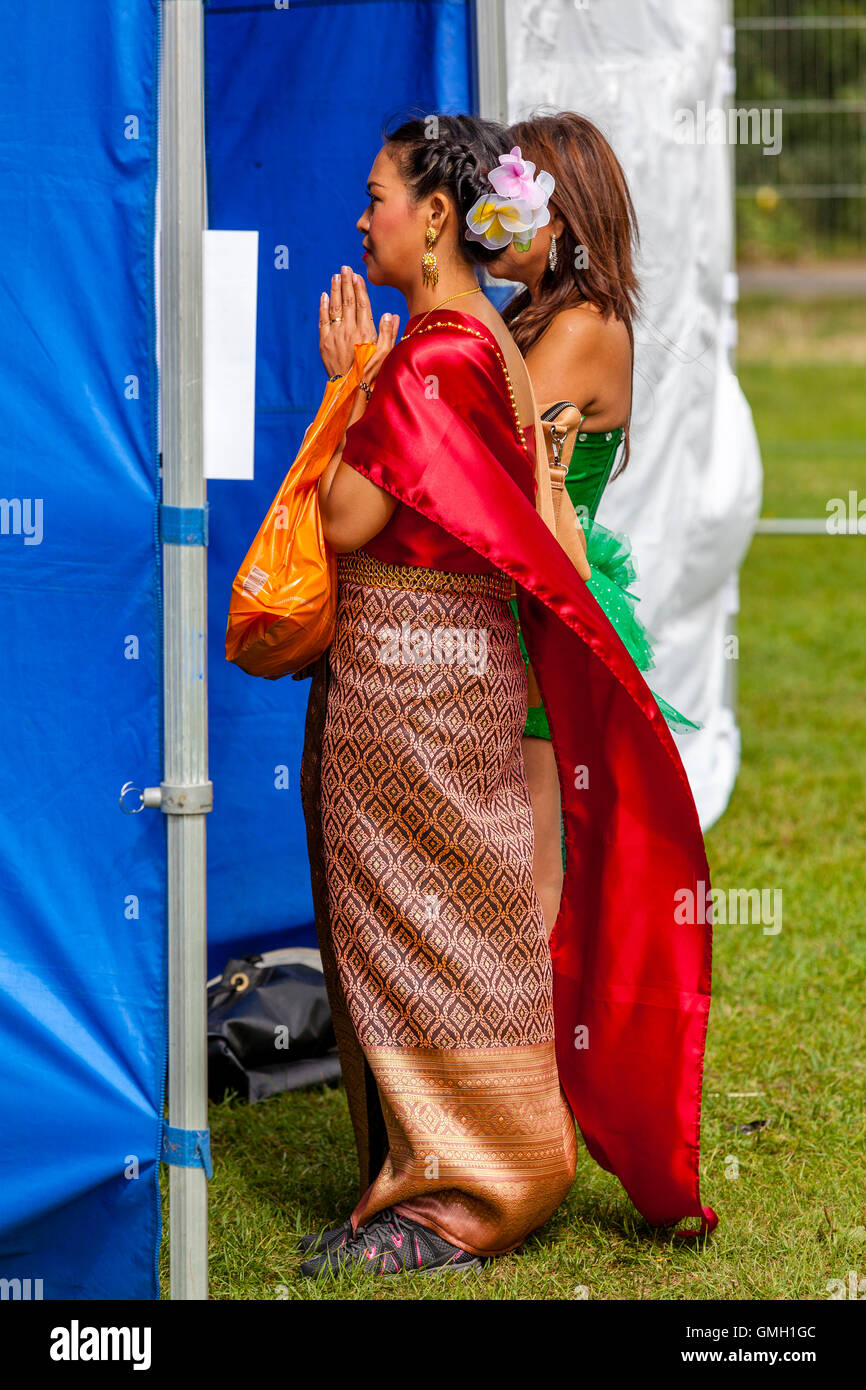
(283, 607)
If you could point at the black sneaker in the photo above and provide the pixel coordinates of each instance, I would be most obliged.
(320, 1240)
(392, 1244)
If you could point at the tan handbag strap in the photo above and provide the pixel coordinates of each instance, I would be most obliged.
(544, 491)
(560, 519)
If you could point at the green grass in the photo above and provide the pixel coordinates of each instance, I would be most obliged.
(787, 1014)
(802, 365)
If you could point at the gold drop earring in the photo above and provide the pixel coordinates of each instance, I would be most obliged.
(429, 264)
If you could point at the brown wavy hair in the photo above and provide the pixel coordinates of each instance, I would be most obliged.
(592, 198)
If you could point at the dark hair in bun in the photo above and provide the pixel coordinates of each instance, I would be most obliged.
(454, 154)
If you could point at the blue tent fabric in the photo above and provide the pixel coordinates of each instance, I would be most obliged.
(295, 100)
(83, 961)
(83, 910)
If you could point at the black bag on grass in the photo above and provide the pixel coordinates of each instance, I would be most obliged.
(269, 1026)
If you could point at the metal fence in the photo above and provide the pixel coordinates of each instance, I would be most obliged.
(807, 60)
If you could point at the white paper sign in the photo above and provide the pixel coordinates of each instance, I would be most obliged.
(230, 276)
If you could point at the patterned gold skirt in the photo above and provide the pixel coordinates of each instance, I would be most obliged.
(420, 833)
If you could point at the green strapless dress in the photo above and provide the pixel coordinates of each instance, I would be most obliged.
(613, 569)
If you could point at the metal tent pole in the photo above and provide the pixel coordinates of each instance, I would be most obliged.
(491, 69)
(186, 790)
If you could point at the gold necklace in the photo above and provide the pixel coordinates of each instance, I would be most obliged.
(477, 290)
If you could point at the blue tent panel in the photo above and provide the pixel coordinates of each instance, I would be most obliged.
(83, 912)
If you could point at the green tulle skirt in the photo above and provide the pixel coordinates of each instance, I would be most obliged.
(613, 570)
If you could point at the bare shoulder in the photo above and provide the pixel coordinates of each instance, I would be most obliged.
(580, 330)
(583, 357)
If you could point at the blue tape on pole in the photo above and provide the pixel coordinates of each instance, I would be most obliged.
(187, 1148)
(183, 525)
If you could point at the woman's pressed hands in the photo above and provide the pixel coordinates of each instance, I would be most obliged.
(345, 318)
(353, 508)
(389, 327)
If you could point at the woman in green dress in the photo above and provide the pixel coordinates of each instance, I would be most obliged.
(573, 323)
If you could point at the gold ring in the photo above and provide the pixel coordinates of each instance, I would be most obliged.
(338, 319)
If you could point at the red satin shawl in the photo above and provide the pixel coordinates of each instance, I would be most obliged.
(409, 538)
(631, 982)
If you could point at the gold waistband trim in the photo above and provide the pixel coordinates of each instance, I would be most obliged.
(363, 568)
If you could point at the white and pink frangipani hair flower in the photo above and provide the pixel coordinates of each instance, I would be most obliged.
(516, 208)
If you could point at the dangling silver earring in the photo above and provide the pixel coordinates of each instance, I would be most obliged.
(552, 257)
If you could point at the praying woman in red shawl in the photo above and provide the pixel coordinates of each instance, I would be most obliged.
(469, 1043)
